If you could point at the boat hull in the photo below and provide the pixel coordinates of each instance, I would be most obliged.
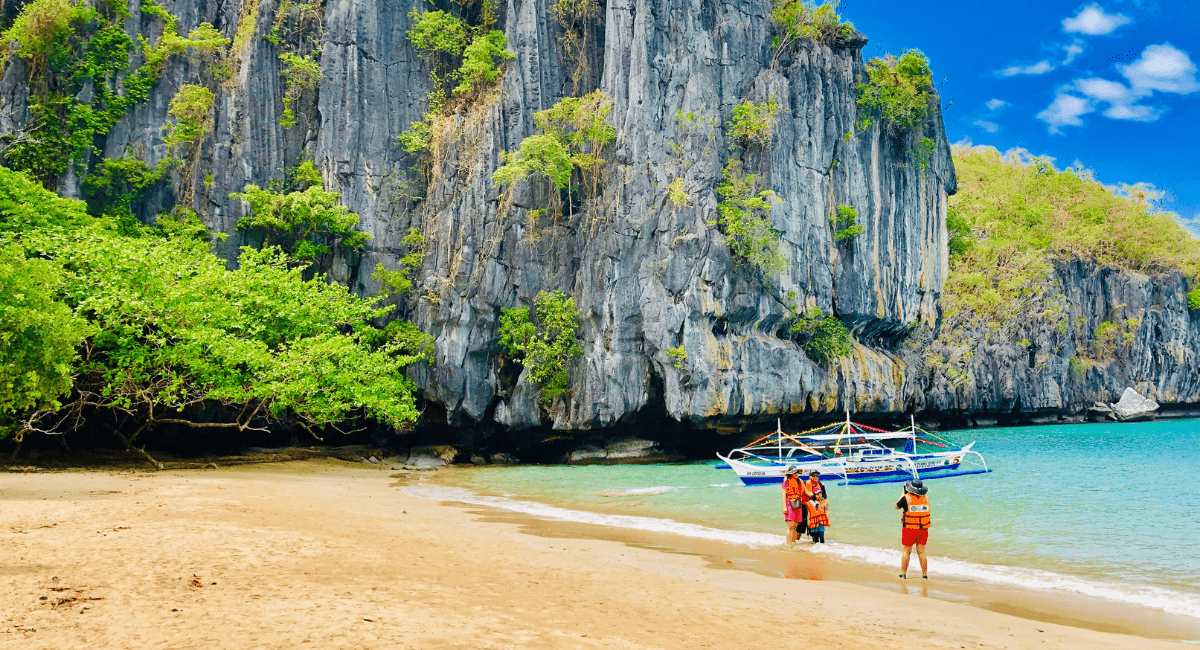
(856, 471)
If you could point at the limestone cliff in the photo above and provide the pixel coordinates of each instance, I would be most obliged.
(647, 274)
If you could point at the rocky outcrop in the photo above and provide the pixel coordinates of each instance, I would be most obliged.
(648, 275)
(1100, 331)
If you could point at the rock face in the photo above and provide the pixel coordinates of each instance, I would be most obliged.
(1060, 359)
(648, 275)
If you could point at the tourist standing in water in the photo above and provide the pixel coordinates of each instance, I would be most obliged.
(818, 519)
(916, 522)
(793, 504)
(816, 487)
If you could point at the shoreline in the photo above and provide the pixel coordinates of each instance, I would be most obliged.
(334, 554)
(801, 563)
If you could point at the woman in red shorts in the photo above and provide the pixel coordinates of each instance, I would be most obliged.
(916, 521)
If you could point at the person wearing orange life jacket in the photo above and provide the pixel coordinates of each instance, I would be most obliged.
(818, 519)
(793, 504)
(916, 520)
(815, 487)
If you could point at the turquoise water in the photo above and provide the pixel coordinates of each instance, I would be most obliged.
(1109, 510)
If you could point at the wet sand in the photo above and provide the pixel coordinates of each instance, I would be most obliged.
(324, 554)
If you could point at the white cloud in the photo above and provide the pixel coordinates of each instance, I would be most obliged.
(1107, 91)
(1133, 112)
(1121, 99)
(1041, 67)
(990, 127)
(1065, 110)
(1073, 50)
(1093, 21)
(1162, 67)
(995, 103)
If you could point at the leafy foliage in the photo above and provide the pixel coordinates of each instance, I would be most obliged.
(753, 123)
(400, 281)
(479, 65)
(799, 19)
(192, 109)
(898, 91)
(745, 218)
(39, 335)
(92, 48)
(464, 58)
(1193, 299)
(545, 347)
(42, 30)
(823, 337)
(679, 196)
(1015, 211)
(845, 224)
(574, 133)
(304, 223)
(961, 238)
(165, 330)
(116, 183)
(300, 73)
(678, 356)
(438, 32)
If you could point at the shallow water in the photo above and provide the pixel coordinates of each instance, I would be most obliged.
(1106, 510)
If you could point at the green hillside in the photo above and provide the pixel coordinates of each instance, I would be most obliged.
(1014, 212)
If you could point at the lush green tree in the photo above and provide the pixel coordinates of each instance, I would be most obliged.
(305, 223)
(167, 331)
(574, 133)
(546, 345)
(38, 336)
(898, 91)
(799, 19)
(745, 218)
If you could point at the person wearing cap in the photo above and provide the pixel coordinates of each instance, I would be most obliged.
(793, 505)
(815, 487)
(916, 521)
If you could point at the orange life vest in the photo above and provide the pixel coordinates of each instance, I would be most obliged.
(792, 488)
(917, 515)
(813, 487)
(817, 515)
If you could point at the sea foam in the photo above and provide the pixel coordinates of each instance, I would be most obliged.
(1166, 600)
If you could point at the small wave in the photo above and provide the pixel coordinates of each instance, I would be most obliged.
(719, 485)
(638, 491)
(1166, 600)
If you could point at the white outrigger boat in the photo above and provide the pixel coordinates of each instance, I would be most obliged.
(855, 453)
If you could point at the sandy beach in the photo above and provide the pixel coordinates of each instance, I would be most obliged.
(323, 553)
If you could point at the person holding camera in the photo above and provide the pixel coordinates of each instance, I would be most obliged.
(916, 521)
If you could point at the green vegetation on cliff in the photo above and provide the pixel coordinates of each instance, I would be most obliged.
(546, 345)
(151, 328)
(1012, 213)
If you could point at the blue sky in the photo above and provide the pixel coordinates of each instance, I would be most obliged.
(1112, 84)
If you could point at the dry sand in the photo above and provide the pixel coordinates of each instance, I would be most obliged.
(320, 554)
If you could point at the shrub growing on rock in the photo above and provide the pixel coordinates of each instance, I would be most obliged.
(544, 346)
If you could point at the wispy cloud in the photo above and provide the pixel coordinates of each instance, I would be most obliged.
(1065, 110)
(1121, 99)
(1073, 51)
(1094, 21)
(1160, 68)
(1041, 67)
(990, 127)
(994, 104)
(1164, 68)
